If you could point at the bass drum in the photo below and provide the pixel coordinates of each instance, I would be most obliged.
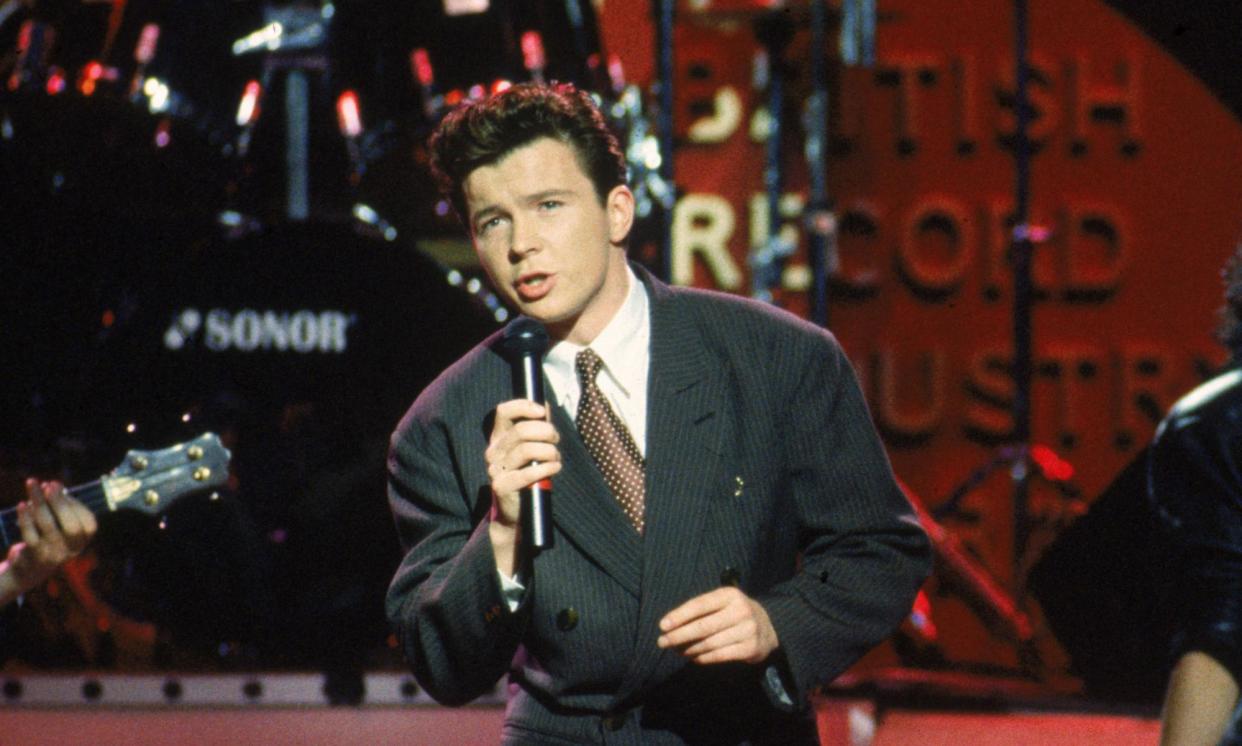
(301, 345)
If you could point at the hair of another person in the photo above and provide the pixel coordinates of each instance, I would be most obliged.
(481, 133)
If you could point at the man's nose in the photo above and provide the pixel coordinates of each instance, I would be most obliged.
(525, 237)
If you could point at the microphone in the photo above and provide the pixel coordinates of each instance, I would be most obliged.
(525, 340)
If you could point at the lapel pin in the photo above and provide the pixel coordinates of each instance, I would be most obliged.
(738, 486)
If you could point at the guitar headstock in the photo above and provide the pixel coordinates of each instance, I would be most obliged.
(150, 481)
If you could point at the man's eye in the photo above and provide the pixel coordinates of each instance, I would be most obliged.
(549, 204)
(488, 224)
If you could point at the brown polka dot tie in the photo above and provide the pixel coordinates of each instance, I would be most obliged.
(608, 440)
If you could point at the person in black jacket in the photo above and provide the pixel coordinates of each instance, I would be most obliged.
(1195, 484)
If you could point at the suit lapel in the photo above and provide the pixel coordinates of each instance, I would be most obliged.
(586, 512)
(685, 425)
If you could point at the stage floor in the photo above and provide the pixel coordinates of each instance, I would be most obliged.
(471, 726)
(295, 709)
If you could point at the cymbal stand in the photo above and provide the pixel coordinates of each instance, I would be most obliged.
(1022, 459)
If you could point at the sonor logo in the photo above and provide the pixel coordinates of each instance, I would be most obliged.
(249, 330)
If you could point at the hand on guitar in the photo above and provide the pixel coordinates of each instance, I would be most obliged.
(53, 528)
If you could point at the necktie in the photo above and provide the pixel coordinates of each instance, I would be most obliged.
(608, 440)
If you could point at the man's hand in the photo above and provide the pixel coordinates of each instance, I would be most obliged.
(720, 626)
(54, 527)
(521, 451)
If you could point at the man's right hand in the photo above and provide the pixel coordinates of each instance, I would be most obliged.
(521, 451)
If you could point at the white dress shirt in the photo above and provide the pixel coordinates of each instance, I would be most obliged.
(625, 347)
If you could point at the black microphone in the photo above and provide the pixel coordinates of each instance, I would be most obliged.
(525, 341)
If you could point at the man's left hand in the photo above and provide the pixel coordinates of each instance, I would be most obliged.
(720, 626)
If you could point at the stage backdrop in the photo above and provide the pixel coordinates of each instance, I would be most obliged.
(1134, 179)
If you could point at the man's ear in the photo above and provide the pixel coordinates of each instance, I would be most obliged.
(620, 207)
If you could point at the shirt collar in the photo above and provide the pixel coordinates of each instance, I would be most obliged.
(622, 345)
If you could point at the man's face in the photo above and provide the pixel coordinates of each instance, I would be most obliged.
(545, 240)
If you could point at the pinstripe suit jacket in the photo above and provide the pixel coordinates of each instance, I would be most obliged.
(763, 470)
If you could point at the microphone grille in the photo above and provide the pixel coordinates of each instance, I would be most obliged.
(525, 336)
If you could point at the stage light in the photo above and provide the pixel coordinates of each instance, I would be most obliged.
(157, 95)
(347, 114)
(269, 36)
(163, 134)
(90, 77)
(248, 107)
(55, 82)
(533, 57)
(144, 50)
(420, 64)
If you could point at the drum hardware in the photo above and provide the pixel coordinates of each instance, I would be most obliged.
(767, 261)
(34, 42)
(665, 11)
(1020, 458)
(8, 8)
(856, 42)
(820, 220)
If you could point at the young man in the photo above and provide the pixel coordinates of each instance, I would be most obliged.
(728, 533)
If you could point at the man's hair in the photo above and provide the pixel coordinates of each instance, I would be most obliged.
(1230, 330)
(481, 133)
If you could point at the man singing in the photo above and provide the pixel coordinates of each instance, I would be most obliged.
(728, 533)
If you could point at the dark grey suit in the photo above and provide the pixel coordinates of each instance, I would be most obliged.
(763, 470)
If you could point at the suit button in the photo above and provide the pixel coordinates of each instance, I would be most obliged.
(730, 576)
(567, 619)
(615, 721)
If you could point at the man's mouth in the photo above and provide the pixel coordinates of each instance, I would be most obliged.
(534, 286)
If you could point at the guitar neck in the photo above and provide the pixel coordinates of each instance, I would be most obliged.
(148, 481)
(90, 494)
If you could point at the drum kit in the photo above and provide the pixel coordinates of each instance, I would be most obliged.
(218, 216)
